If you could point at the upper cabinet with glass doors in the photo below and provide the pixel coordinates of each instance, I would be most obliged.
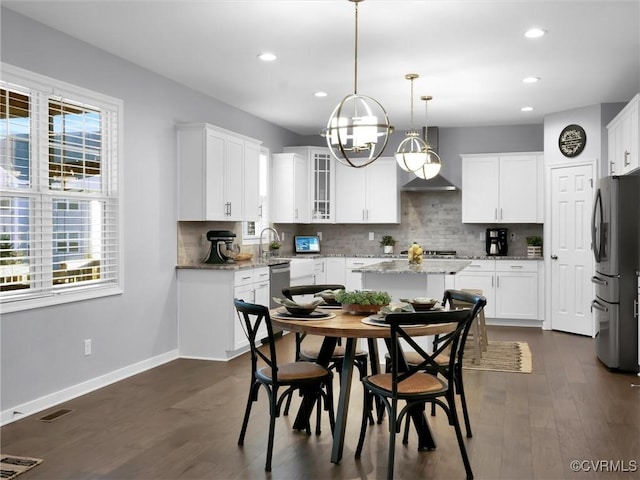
(321, 182)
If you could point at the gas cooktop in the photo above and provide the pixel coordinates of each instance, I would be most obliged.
(440, 253)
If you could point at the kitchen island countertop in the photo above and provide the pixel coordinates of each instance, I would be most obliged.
(427, 267)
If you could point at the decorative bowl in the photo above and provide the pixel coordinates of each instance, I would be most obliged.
(329, 297)
(421, 303)
(359, 309)
(243, 256)
(300, 309)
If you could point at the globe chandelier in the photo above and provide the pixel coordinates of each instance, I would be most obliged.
(432, 165)
(358, 129)
(412, 151)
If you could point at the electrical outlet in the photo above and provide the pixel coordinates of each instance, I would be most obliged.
(319, 235)
(203, 239)
(282, 236)
(87, 346)
(512, 237)
(371, 235)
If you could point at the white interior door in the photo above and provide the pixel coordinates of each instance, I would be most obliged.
(571, 258)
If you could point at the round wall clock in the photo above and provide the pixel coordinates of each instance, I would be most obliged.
(572, 140)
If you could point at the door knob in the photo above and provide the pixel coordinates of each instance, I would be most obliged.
(554, 257)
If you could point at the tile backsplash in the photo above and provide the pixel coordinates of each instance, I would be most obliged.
(433, 219)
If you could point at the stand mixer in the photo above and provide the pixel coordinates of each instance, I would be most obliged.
(222, 249)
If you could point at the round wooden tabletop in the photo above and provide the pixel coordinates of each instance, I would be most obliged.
(350, 325)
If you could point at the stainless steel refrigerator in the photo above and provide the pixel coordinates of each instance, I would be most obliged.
(615, 245)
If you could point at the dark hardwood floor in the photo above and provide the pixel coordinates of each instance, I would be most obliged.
(181, 421)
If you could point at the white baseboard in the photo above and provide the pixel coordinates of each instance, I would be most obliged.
(21, 411)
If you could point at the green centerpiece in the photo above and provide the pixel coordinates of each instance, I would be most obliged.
(363, 301)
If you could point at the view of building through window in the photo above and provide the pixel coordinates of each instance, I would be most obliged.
(58, 207)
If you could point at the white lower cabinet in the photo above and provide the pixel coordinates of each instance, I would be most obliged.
(319, 271)
(510, 286)
(335, 268)
(208, 326)
(480, 275)
(353, 280)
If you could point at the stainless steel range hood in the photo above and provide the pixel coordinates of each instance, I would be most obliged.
(435, 184)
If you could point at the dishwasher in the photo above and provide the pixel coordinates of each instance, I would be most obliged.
(279, 278)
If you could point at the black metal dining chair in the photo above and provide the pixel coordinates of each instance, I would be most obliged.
(428, 381)
(453, 299)
(306, 377)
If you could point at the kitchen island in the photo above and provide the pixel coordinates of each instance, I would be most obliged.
(404, 280)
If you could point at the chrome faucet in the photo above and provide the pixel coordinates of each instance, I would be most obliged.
(260, 249)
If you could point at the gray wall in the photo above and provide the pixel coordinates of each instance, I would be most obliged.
(42, 350)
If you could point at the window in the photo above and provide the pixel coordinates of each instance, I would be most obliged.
(251, 230)
(60, 236)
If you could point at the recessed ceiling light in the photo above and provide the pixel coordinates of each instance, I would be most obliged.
(526, 109)
(320, 94)
(267, 57)
(531, 79)
(535, 33)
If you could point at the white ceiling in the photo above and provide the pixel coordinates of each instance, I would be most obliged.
(471, 55)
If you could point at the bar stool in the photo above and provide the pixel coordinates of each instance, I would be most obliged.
(478, 328)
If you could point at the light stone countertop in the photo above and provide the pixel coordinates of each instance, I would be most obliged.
(232, 266)
(427, 267)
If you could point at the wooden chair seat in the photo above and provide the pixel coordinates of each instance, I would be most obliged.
(415, 385)
(294, 372)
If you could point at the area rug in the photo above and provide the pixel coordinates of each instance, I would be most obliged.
(12, 466)
(501, 357)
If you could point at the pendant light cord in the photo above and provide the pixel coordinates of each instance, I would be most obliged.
(355, 63)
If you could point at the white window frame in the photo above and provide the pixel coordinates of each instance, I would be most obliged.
(264, 188)
(42, 87)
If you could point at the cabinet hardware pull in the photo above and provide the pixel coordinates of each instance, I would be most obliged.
(517, 266)
(635, 309)
(626, 158)
(473, 265)
(554, 257)
(500, 213)
(495, 213)
(246, 278)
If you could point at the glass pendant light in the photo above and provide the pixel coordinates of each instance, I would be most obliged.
(432, 165)
(358, 129)
(412, 151)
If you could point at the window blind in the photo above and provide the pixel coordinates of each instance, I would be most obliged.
(59, 208)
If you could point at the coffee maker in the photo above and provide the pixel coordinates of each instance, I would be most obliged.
(222, 248)
(496, 241)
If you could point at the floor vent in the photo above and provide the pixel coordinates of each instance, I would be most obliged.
(55, 415)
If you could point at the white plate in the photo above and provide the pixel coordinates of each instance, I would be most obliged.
(378, 321)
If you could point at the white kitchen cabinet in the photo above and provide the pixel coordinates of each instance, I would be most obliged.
(624, 139)
(502, 188)
(369, 194)
(290, 189)
(218, 174)
(353, 280)
(251, 286)
(322, 177)
(336, 270)
(517, 289)
(319, 271)
(510, 286)
(480, 275)
(208, 327)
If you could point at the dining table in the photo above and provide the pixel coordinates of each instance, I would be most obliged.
(352, 326)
